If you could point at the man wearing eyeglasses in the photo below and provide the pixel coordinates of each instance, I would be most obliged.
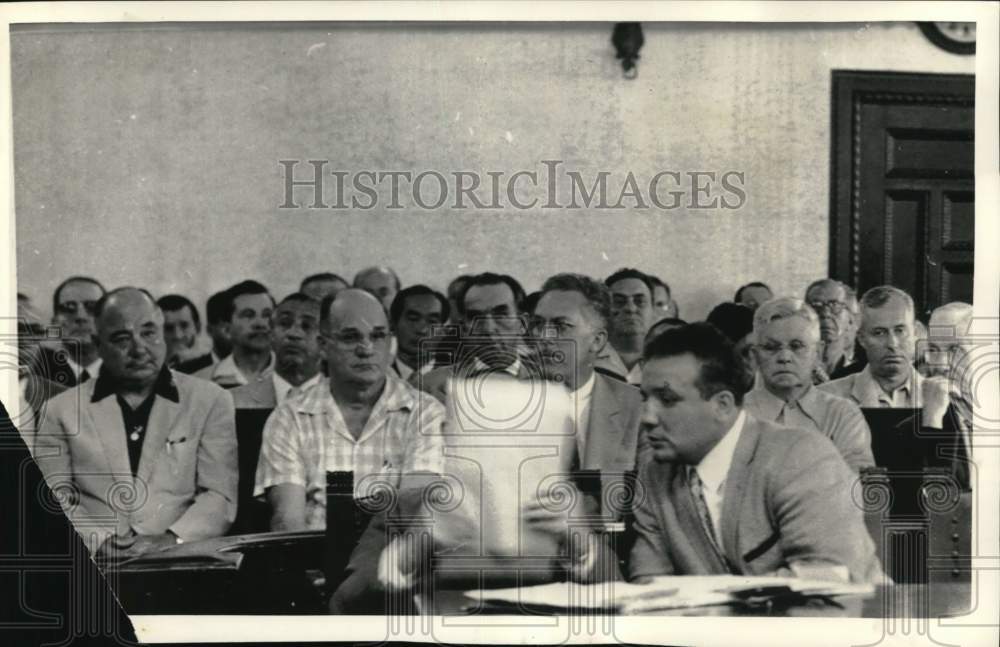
(786, 336)
(361, 419)
(569, 325)
(492, 334)
(76, 359)
(830, 299)
(631, 316)
(141, 457)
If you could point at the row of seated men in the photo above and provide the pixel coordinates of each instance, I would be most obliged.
(747, 449)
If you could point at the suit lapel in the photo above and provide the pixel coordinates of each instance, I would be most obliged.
(604, 427)
(732, 498)
(161, 421)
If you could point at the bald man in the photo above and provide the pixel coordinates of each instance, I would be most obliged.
(361, 419)
(145, 457)
(381, 282)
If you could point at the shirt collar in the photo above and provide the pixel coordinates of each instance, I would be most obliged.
(769, 405)
(226, 368)
(584, 392)
(395, 396)
(92, 369)
(106, 384)
(514, 368)
(283, 386)
(714, 467)
(866, 389)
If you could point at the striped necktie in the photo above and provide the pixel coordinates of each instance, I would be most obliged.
(698, 495)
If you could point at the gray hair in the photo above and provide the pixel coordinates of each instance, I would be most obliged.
(784, 308)
(881, 295)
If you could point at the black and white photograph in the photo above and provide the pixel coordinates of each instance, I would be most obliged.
(556, 322)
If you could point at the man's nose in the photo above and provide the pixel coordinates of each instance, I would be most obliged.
(648, 418)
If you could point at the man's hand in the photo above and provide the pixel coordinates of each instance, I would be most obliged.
(124, 547)
(935, 393)
(399, 562)
(547, 514)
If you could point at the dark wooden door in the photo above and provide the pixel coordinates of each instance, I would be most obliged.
(902, 184)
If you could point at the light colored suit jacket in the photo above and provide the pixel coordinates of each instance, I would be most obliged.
(187, 474)
(787, 503)
(612, 440)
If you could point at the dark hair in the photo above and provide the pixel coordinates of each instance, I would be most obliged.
(733, 320)
(631, 273)
(752, 284)
(377, 268)
(240, 289)
(103, 301)
(459, 280)
(819, 282)
(322, 276)
(175, 302)
(73, 279)
(489, 278)
(658, 281)
(216, 308)
(665, 324)
(399, 302)
(597, 294)
(714, 352)
(298, 297)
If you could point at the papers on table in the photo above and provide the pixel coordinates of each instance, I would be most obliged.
(662, 593)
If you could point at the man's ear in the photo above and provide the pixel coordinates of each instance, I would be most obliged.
(724, 403)
(599, 342)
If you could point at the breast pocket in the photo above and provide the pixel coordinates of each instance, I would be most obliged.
(176, 465)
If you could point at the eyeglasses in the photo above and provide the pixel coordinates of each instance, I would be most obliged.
(797, 348)
(71, 307)
(542, 328)
(834, 306)
(353, 338)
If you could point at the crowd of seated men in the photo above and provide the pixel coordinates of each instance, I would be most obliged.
(745, 431)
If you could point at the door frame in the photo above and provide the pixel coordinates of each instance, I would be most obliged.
(851, 89)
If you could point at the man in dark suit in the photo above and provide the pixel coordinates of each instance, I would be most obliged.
(726, 493)
(76, 359)
(145, 457)
(492, 334)
(832, 302)
(216, 311)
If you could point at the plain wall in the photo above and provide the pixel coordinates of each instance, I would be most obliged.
(148, 155)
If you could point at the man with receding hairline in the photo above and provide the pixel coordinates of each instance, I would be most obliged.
(887, 335)
(381, 282)
(164, 439)
(361, 419)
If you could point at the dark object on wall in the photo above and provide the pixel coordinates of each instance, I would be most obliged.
(954, 37)
(902, 184)
(628, 40)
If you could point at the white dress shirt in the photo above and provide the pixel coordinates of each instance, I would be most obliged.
(92, 369)
(714, 468)
(582, 397)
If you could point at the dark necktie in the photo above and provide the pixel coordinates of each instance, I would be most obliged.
(84, 376)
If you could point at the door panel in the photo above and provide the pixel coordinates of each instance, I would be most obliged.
(903, 193)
